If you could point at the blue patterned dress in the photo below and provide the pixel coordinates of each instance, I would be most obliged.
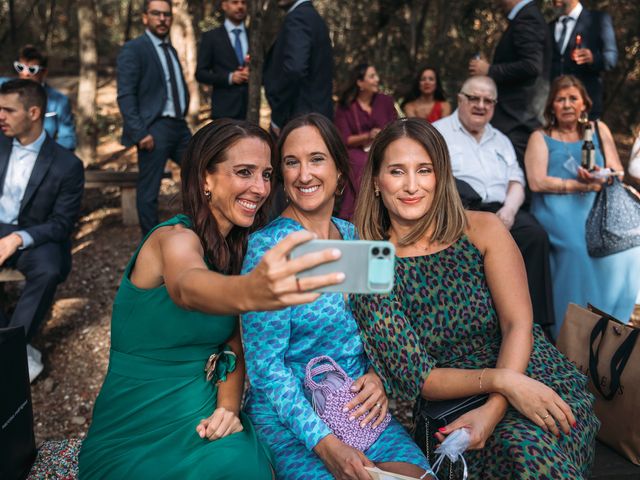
(278, 346)
(609, 283)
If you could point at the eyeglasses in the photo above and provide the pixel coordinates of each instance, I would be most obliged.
(157, 13)
(32, 69)
(473, 100)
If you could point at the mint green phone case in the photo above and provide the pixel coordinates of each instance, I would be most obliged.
(368, 265)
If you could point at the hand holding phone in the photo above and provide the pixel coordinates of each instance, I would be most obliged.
(368, 266)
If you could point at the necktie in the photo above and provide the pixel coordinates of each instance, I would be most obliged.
(237, 46)
(173, 81)
(563, 33)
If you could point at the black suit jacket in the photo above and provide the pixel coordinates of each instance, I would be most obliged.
(216, 60)
(51, 202)
(520, 68)
(142, 90)
(298, 72)
(598, 36)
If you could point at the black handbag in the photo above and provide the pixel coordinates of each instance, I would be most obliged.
(429, 416)
(18, 449)
(613, 224)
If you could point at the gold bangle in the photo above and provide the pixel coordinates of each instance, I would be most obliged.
(480, 378)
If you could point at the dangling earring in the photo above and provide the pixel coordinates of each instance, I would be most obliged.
(340, 188)
(376, 191)
(286, 197)
(584, 118)
(207, 195)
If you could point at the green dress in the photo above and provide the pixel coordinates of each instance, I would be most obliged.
(440, 314)
(155, 394)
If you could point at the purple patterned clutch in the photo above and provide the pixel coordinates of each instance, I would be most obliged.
(329, 397)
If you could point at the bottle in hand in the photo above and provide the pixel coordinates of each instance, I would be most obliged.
(588, 149)
(578, 46)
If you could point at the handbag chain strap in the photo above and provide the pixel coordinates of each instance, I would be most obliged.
(618, 360)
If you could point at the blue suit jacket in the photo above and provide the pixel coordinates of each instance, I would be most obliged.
(51, 202)
(298, 71)
(599, 36)
(58, 119)
(142, 91)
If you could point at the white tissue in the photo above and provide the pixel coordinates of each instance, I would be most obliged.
(452, 448)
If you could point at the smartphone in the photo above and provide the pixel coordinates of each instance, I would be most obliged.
(368, 265)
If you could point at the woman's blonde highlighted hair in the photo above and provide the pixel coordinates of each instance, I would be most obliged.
(445, 219)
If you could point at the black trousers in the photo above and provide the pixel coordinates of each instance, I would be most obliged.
(44, 267)
(170, 136)
(519, 138)
(533, 242)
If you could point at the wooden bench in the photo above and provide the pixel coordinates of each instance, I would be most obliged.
(10, 275)
(127, 183)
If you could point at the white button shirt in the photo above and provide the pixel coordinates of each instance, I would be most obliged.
(571, 25)
(169, 109)
(21, 162)
(487, 166)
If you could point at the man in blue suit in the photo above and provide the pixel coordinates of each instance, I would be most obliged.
(41, 186)
(298, 71)
(598, 54)
(153, 100)
(58, 119)
(222, 62)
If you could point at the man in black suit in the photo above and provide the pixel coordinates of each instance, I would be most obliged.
(298, 71)
(598, 54)
(520, 68)
(41, 186)
(153, 100)
(222, 62)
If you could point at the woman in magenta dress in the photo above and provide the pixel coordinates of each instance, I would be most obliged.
(426, 98)
(362, 112)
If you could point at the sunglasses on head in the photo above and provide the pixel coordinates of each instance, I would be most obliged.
(32, 69)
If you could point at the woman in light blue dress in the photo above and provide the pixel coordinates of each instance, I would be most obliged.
(563, 196)
(278, 345)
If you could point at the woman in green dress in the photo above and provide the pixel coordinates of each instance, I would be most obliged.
(459, 320)
(169, 407)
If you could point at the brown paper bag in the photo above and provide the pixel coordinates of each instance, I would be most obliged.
(607, 351)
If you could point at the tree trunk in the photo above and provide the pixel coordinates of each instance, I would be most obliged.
(88, 83)
(183, 39)
(262, 15)
(128, 21)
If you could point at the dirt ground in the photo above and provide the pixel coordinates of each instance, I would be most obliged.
(75, 340)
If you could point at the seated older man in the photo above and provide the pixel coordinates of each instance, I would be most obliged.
(490, 179)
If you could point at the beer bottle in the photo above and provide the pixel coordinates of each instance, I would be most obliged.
(588, 149)
(578, 46)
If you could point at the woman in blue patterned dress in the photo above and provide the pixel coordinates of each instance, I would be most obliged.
(459, 320)
(278, 345)
(563, 196)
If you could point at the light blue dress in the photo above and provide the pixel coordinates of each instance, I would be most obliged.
(278, 346)
(609, 283)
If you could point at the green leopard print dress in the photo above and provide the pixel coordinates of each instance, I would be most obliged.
(440, 314)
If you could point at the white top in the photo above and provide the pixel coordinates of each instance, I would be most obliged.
(634, 161)
(21, 162)
(487, 166)
(571, 25)
(169, 110)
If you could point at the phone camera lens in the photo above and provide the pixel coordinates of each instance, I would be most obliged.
(386, 251)
(375, 251)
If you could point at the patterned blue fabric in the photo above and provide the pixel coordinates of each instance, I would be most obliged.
(278, 346)
(609, 283)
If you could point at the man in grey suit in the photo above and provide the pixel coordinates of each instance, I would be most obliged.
(153, 100)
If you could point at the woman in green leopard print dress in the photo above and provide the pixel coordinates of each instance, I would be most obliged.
(459, 319)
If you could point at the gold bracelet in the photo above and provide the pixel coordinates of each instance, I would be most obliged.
(480, 378)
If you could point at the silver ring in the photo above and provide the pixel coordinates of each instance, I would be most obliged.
(545, 417)
(377, 405)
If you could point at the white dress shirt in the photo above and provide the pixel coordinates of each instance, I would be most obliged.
(487, 166)
(244, 40)
(21, 162)
(571, 25)
(169, 110)
(296, 5)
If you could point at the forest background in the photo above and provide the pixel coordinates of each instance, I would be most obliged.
(83, 38)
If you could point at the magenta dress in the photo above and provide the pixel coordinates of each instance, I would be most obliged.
(353, 120)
